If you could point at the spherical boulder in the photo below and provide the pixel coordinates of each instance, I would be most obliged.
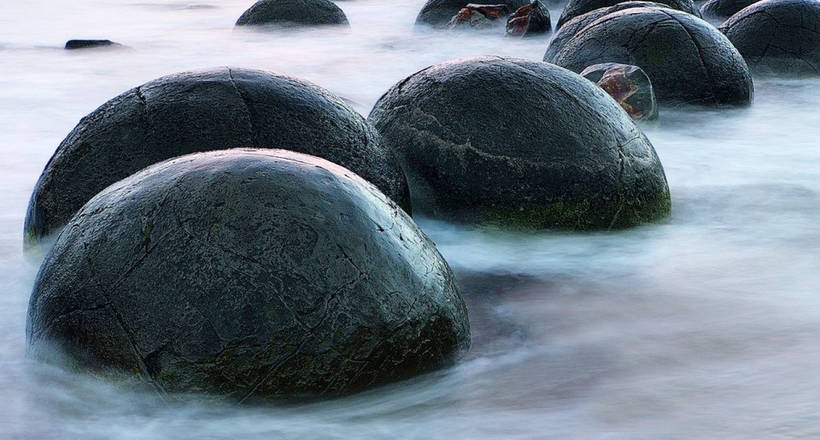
(573, 26)
(723, 9)
(778, 36)
(440, 12)
(201, 111)
(628, 85)
(512, 142)
(247, 274)
(688, 60)
(293, 13)
(574, 8)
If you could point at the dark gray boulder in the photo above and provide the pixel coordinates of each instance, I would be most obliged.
(778, 36)
(723, 9)
(628, 85)
(200, 111)
(293, 12)
(573, 26)
(688, 60)
(574, 8)
(439, 12)
(529, 21)
(512, 142)
(90, 44)
(246, 274)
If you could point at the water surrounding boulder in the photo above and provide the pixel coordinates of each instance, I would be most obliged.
(723, 9)
(573, 26)
(574, 8)
(512, 142)
(778, 36)
(90, 44)
(628, 85)
(440, 12)
(293, 13)
(246, 274)
(688, 60)
(529, 20)
(201, 111)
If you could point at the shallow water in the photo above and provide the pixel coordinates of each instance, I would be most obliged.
(701, 326)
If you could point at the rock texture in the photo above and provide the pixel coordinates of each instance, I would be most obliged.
(687, 59)
(529, 21)
(293, 12)
(439, 12)
(778, 36)
(246, 274)
(723, 9)
(201, 111)
(628, 85)
(574, 8)
(511, 142)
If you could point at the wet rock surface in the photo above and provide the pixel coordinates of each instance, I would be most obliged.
(246, 274)
(628, 85)
(478, 16)
(439, 13)
(90, 44)
(293, 12)
(202, 111)
(779, 37)
(574, 8)
(573, 26)
(723, 9)
(688, 60)
(529, 20)
(511, 142)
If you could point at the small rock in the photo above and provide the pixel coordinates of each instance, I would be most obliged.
(628, 85)
(478, 16)
(90, 44)
(529, 20)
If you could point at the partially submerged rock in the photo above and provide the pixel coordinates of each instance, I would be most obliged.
(512, 142)
(778, 36)
(439, 13)
(529, 20)
(628, 85)
(723, 9)
(574, 8)
(478, 16)
(293, 12)
(90, 44)
(201, 111)
(688, 60)
(246, 274)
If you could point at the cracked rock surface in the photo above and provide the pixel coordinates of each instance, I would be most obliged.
(573, 26)
(201, 111)
(293, 12)
(246, 274)
(628, 85)
(439, 12)
(574, 8)
(778, 36)
(688, 60)
(508, 141)
(723, 8)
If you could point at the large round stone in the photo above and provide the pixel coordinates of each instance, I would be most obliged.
(723, 9)
(293, 12)
(574, 8)
(688, 60)
(200, 111)
(573, 26)
(246, 273)
(778, 36)
(440, 12)
(508, 141)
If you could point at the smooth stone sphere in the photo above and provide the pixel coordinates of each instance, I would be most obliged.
(688, 60)
(512, 142)
(723, 9)
(439, 12)
(574, 8)
(573, 26)
(201, 111)
(293, 13)
(779, 37)
(246, 274)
